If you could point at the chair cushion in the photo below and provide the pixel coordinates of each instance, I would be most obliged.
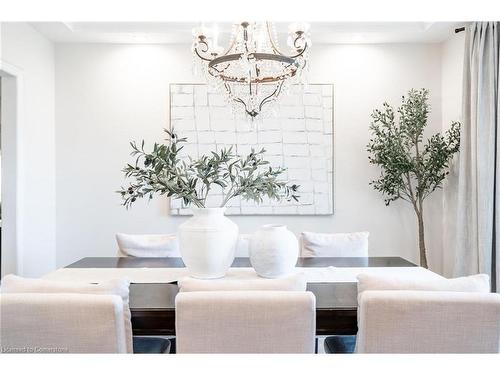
(151, 345)
(148, 245)
(334, 244)
(295, 282)
(119, 287)
(340, 344)
(476, 283)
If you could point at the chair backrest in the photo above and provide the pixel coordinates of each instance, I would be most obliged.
(290, 283)
(406, 321)
(334, 244)
(245, 322)
(147, 245)
(116, 287)
(62, 323)
(164, 245)
(242, 246)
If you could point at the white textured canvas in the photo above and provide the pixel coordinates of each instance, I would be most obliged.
(298, 136)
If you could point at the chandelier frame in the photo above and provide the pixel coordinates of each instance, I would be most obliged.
(218, 65)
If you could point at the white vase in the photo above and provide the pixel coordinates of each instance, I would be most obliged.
(207, 243)
(274, 251)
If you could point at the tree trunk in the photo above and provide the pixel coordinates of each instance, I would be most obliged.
(421, 240)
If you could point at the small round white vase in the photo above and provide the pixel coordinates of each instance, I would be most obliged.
(207, 243)
(274, 251)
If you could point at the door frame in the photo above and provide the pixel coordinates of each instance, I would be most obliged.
(12, 163)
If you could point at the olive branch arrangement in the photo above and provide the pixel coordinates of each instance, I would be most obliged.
(163, 172)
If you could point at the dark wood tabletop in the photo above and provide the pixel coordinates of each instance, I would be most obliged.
(132, 262)
(153, 304)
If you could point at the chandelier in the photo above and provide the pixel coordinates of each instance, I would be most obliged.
(252, 73)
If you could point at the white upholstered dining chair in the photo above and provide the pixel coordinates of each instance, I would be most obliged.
(425, 316)
(245, 322)
(334, 244)
(59, 317)
(428, 322)
(62, 323)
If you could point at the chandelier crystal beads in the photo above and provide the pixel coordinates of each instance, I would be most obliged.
(252, 73)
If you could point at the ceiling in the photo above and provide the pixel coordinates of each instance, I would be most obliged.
(180, 33)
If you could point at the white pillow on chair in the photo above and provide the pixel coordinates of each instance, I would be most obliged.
(148, 245)
(334, 244)
(119, 287)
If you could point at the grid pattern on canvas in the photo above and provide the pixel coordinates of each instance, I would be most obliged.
(299, 137)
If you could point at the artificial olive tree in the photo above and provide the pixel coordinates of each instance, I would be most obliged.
(411, 169)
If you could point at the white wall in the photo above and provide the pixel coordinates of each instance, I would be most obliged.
(364, 77)
(451, 83)
(107, 95)
(33, 56)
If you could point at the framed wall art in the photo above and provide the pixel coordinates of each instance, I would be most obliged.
(298, 136)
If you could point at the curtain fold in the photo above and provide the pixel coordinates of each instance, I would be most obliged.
(477, 241)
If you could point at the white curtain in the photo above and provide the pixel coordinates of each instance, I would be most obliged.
(477, 236)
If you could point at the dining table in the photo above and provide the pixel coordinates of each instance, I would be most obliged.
(154, 287)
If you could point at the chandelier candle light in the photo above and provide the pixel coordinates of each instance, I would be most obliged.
(252, 72)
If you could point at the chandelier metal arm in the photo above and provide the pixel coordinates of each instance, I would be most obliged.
(275, 48)
(268, 98)
(298, 48)
(241, 101)
(238, 100)
(200, 56)
(223, 69)
(201, 41)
